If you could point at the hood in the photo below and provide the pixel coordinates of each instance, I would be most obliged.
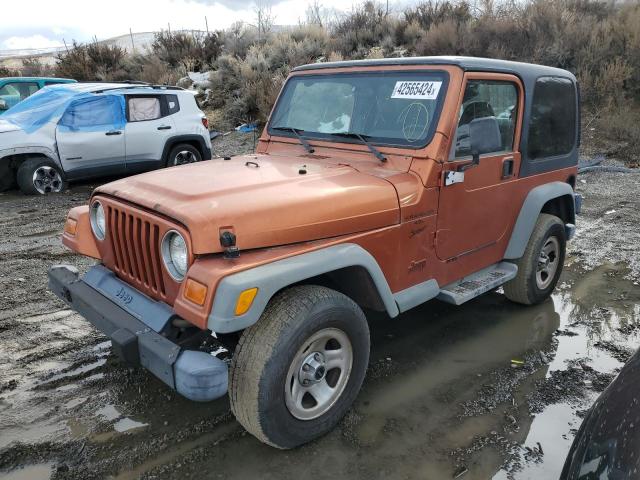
(7, 126)
(265, 205)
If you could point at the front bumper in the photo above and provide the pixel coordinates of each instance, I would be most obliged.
(134, 329)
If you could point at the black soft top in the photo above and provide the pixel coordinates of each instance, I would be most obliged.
(472, 64)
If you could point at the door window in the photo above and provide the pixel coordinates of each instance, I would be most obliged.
(552, 130)
(19, 89)
(482, 99)
(92, 114)
(144, 108)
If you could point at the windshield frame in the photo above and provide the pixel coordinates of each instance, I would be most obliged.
(331, 138)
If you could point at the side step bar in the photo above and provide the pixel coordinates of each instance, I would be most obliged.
(477, 283)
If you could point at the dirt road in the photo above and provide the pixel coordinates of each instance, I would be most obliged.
(441, 398)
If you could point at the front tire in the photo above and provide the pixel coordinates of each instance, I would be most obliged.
(541, 265)
(39, 176)
(296, 372)
(183, 154)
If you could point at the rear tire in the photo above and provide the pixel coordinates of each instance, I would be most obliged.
(183, 154)
(296, 371)
(39, 176)
(541, 265)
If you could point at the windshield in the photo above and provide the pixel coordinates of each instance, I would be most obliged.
(388, 108)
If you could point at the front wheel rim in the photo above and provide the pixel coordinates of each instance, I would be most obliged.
(184, 157)
(548, 262)
(318, 374)
(47, 180)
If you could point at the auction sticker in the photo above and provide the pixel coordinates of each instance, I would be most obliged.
(416, 90)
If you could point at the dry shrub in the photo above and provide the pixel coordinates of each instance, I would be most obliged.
(94, 61)
(617, 130)
(441, 39)
(364, 28)
(194, 51)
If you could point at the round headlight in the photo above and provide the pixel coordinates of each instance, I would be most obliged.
(174, 254)
(98, 222)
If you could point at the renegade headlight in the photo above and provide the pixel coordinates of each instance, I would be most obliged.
(174, 255)
(98, 222)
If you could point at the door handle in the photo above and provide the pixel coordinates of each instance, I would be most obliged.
(113, 132)
(507, 168)
(164, 127)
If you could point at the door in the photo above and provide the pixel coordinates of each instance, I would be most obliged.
(475, 207)
(91, 137)
(149, 126)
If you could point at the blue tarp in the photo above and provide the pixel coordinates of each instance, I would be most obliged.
(80, 111)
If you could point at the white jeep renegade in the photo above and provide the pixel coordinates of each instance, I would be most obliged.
(84, 130)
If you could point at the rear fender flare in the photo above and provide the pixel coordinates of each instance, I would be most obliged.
(175, 140)
(529, 213)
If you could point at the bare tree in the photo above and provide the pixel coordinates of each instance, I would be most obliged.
(265, 20)
(315, 14)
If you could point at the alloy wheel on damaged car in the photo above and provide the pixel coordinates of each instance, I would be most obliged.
(183, 157)
(47, 179)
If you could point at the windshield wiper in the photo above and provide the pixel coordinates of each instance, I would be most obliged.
(296, 132)
(362, 138)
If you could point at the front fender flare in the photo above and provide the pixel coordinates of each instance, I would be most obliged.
(529, 213)
(272, 277)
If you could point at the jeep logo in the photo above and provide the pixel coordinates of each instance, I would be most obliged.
(125, 297)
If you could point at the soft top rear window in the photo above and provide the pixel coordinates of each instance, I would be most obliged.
(388, 108)
(552, 131)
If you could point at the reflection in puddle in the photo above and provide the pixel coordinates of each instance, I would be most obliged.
(124, 424)
(29, 472)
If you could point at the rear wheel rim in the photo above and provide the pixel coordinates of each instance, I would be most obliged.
(318, 374)
(183, 157)
(548, 262)
(47, 180)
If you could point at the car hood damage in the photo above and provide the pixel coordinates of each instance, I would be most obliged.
(7, 126)
(265, 200)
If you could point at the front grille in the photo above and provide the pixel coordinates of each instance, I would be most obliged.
(135, 243)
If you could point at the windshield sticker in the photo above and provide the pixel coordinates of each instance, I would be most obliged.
(416, 90)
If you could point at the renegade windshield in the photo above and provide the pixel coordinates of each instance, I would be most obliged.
(386, 108)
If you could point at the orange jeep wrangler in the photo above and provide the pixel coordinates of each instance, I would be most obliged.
(376, 184)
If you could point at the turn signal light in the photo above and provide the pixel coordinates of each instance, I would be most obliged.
(195, 292)
(71, 226)
(205, 122)
(245, 299)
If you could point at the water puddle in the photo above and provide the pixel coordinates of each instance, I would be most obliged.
(123, 424)
(30, 472)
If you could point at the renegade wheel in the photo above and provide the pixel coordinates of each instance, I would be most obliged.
(296, 371)
(40, 176)
(541, 265)
(183, 154)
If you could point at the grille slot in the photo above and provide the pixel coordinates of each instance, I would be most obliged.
(135, 243)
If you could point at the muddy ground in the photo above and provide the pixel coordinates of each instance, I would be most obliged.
(441, 399)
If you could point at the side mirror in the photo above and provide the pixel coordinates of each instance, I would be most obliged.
(485, 137)
(3, 105)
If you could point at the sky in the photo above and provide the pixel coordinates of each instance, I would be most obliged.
(45, 23)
